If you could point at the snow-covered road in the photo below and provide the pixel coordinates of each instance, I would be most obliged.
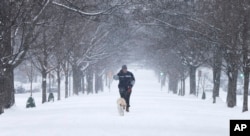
(153, 113)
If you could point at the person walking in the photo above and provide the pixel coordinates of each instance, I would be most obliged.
(126, 83)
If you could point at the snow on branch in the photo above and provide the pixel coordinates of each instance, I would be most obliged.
(80, 11)
(41, 11)
(85, 67)
(179, 28)
(200, 21)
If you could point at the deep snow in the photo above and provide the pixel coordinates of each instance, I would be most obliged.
(153, 113)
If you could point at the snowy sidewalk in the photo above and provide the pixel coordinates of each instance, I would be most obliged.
(153, 113)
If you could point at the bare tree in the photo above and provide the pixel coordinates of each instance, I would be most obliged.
(245, 33)
(43, 58)
(17, 26)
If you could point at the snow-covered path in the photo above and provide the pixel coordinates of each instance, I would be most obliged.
(153, 113)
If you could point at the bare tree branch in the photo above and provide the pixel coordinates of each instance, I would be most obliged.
(80, 11)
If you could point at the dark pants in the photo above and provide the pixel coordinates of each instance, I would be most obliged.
(125, 94)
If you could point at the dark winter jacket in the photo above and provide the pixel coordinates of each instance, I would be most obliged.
(126, 79)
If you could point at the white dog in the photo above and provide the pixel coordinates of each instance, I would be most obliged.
(121, 105)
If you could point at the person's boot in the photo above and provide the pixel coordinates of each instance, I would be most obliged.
(127, 109)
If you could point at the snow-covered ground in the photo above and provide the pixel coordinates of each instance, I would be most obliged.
(153, 113)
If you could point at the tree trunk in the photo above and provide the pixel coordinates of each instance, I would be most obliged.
(31, 80)
(2, 94)
(66, 84)
(9, 99)
(181, 89)
(83, 84)
(44, 85)
(246, 87)
(173, 83)
(246, 61)
(6, 48)
(1, 103)
(58, 83)
(89, 76)
(192, 74)
(232, 86)
(97, 84)
(65, 67)
(101, 84)
(70, 84)
(217, 72)
(76, 80)
(184, 88)
(106, 79)
(170, 82)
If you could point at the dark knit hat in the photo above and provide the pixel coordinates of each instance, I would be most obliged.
(124, 67)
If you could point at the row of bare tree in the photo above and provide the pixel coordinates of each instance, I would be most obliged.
(90, 38)
(62, 36)
(189, 34)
